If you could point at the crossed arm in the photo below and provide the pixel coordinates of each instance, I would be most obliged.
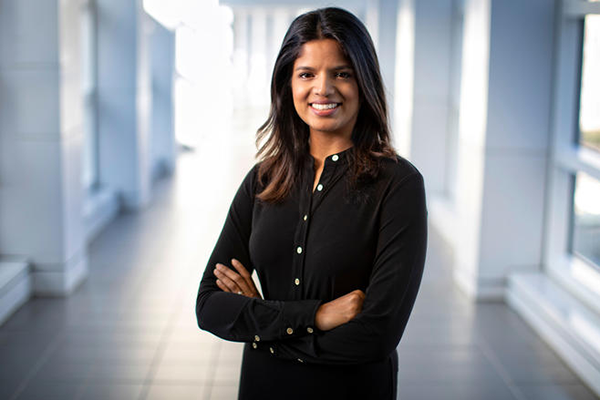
(329, 315)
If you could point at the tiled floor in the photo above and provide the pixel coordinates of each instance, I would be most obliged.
(129, 332)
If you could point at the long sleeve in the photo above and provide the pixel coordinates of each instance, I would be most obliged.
(393, 285)
(235, 317)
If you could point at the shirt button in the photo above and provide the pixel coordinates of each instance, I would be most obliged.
(297, 281)
(271, 350)
(299, 250)
(254, 345)
(288, 330)
(319, 187)
(309, 330)
(305, 217)
(335, 157)
(257, 338)
(300, 360)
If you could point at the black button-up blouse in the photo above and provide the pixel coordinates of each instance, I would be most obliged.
(315, 247)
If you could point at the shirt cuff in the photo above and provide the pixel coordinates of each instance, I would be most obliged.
(298, 317)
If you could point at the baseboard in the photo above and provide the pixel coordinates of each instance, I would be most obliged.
(15, 287)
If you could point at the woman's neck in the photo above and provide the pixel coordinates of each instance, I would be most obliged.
(322, 146)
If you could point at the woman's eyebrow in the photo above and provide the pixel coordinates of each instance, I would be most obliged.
(304, 67)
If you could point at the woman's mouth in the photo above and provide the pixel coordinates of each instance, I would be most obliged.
(324, 106)
(324, 109)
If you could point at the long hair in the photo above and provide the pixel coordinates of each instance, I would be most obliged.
(285, 135)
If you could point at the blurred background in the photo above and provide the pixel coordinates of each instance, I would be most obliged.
(126, 127)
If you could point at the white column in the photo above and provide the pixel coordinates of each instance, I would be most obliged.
(404, 74)
(281, 20)
(372, 20)
(124, 100)
(386, 52)
(240, 55)
(497, 225)
(259, 76)
(41, 133)
(163, 145)
(431, 90)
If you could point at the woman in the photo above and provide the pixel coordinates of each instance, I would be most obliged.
(332, 220)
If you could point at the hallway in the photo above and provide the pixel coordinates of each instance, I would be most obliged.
(129, 332)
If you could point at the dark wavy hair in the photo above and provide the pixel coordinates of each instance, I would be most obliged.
(285, 136)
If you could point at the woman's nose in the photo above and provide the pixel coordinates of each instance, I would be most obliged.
(323, 86)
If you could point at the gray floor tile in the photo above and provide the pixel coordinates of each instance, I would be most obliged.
(49, 390)
(8, 387)
(223, 392)
(556, 392)
(456, 391)
(111, 391)
(17, 362)
(176, 392)
(445, 366)
(184, 374)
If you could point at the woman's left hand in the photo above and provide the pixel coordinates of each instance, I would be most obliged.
(239, 282)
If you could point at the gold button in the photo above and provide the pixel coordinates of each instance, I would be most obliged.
(289, 331)
(254, 345)
(309, 330)
(257, 338)
(271, 350)
(305, 217)
(299, 250)
(300, 360)
(297, 281)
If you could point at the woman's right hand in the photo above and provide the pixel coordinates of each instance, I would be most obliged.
(339, 311)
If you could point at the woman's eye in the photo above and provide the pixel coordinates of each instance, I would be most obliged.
(343, 75)
(304, 75)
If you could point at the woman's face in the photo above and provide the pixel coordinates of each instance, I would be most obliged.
(324, 89)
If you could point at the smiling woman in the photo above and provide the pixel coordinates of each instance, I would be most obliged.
(325, 92)
(333, 221)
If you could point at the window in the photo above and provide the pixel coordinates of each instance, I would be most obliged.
(589, 110)
(585, 237)
(572, 244)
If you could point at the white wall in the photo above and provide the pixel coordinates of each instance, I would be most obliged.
(41, 134)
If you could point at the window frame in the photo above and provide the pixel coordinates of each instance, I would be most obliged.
(567, 157)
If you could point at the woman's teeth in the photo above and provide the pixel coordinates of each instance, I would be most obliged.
(328, 106)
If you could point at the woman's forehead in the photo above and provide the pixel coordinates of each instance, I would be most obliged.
(322, 51)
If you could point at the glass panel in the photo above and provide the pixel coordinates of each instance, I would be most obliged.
(586, 218)
(589, 112)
